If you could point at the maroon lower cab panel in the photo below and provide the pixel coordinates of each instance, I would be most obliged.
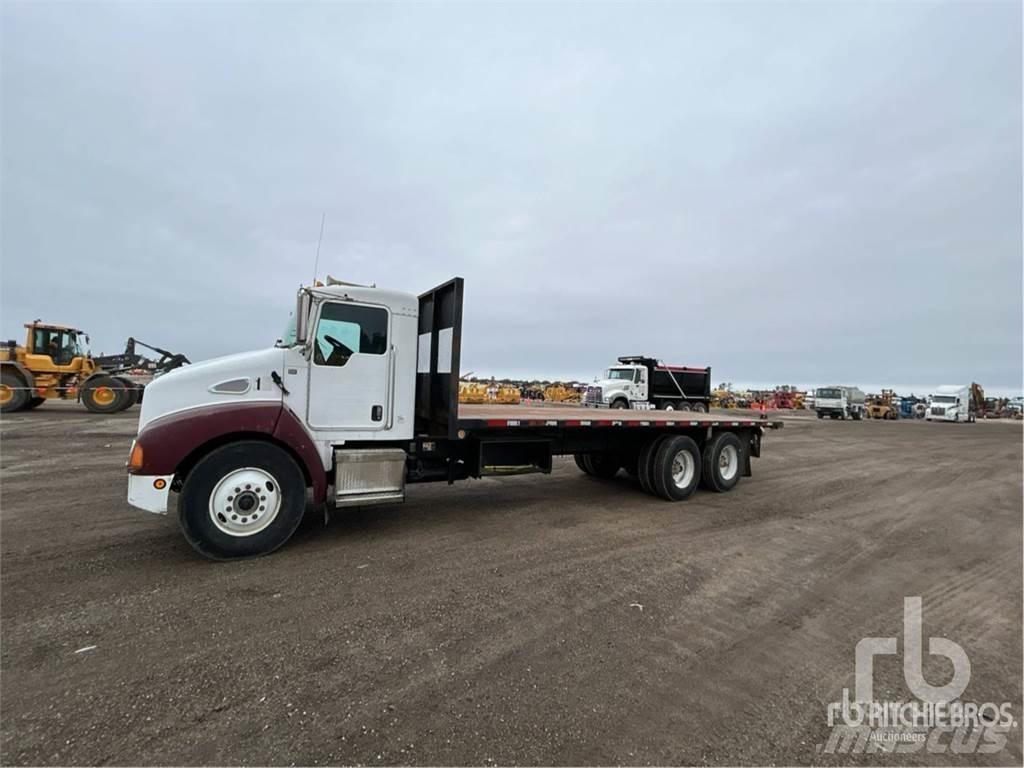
(167, 441)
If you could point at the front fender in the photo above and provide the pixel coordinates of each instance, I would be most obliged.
(26, 374)
(170, 441)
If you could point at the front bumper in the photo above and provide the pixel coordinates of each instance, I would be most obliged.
(144, 493)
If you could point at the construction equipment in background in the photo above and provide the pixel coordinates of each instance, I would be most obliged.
(54, 364)
(472, 392)
(912, 407)
(561, 393)
(507, 395)
(723, 398)
(532, 391)
(130, 362)
(881, 406)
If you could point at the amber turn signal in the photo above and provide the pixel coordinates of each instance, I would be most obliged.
(135, 459)
(159, 483)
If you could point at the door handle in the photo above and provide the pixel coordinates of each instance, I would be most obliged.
(377, 412)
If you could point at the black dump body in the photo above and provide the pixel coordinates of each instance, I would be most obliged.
(674, 381)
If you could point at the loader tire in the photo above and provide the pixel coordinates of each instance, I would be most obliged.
(723, 462)
(14, 394)
(104, 394)
(131, 391)
(34, 402)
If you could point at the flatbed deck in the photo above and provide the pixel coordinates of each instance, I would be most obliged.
(488, 415)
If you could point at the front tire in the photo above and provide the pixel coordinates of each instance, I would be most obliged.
(244, 499)
(104, 394)
(620, 404)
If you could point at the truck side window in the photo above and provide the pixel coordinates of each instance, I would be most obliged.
(346, 329)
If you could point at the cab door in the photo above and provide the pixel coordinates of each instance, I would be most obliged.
(351, 368)
(640, 384)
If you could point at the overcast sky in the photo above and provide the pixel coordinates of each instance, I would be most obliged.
(790, 193)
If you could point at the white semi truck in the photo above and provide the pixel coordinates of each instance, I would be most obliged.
(839, 403)
(950, 402)
(361, 398)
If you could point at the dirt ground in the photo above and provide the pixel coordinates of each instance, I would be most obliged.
(543, 620)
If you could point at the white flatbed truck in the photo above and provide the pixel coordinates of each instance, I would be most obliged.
(359, 400)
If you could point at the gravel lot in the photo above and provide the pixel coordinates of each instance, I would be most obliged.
(551, 620)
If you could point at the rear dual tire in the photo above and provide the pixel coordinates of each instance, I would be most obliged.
(603, 465)
(675, 468)
(722, 462)
(672, 466)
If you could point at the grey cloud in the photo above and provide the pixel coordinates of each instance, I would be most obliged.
(791, 193)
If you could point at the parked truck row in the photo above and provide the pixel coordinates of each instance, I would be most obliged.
(360, 399)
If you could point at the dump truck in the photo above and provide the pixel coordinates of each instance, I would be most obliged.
(644, 383)
(54, 364)
(358, 401)
(838, 402)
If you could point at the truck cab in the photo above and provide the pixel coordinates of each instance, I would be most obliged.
(622, 386)
(838, 402)
(950, 402)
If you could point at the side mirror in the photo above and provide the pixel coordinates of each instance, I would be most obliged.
(302, 306)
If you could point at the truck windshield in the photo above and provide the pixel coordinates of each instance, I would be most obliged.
(943, 399)
(620, 373)
(828, 394)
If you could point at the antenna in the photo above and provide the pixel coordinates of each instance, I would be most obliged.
(316, 262)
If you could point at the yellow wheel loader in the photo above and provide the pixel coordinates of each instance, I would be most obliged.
(53, 364)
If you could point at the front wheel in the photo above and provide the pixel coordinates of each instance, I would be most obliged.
(104, 394)
(242, 500)
(619, 404)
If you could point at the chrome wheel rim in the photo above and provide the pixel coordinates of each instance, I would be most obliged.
(728, 462)
(682, 469)
(245, 502)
